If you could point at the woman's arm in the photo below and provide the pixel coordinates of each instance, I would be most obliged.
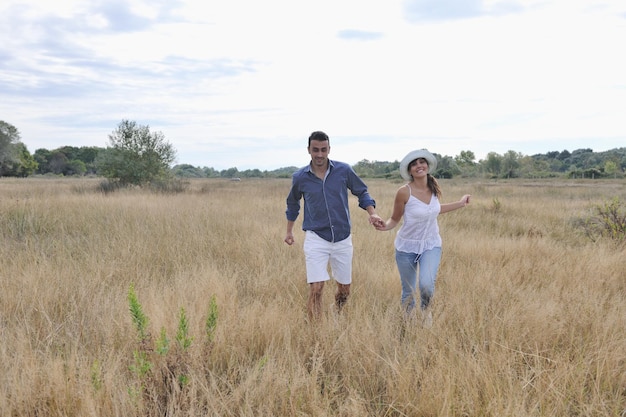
(402, 196)
(464, 201)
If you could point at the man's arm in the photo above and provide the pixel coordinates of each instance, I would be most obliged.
(289, 236)
(374, 219)
(292, 212)
(366, 202)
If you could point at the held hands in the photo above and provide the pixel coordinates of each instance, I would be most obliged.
(289, 238)
(376, 221)
(465, 200)
(382, 226)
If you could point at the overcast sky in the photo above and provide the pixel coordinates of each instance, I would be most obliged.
(242, 83)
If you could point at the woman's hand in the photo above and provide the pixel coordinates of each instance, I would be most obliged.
(376, 221)
(386, 225)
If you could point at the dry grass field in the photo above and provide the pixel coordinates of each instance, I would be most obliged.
(529, 314)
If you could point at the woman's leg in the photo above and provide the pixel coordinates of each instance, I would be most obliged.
(428, 267)
(408, 278)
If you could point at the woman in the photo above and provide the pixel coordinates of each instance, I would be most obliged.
(418, 242)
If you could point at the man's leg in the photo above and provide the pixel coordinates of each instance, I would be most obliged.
(343, 291)
(341, 265)
(314, 304)
(316, 254)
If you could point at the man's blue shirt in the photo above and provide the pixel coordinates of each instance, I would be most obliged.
(326, 210)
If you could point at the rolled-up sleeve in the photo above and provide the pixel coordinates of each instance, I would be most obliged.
(293, 201)
(359, 189)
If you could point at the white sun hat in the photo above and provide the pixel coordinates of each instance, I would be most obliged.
(412, 156)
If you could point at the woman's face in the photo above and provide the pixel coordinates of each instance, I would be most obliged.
(418, 167)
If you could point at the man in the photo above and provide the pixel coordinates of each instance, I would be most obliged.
(324, 185)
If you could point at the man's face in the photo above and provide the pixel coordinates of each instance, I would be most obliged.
(319, 151)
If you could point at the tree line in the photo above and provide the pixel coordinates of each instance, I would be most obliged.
(135, 155)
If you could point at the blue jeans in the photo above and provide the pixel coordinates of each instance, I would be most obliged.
(428, 266)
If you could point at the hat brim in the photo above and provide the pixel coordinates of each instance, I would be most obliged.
(412, 156)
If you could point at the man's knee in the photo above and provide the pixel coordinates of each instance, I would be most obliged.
(343, 291)
(343, 288)
(316, 288)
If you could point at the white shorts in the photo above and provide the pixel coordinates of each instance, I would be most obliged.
(318, 253)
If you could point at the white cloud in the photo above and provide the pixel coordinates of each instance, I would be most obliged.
(242, 83)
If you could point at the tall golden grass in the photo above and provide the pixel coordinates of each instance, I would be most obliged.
(529, 315)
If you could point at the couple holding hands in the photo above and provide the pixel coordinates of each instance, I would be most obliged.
(323, 185)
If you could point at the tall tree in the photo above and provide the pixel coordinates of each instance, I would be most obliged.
(465, 158)
(511, 164)
(493, 163)
(136, 155)
(9, 155)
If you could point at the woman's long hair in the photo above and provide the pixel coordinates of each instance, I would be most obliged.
(433, 185)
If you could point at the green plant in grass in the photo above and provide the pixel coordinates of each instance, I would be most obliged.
(136, 312)
(612, 218)
(96, 375)
(142, 364)
(607, 220)
(161, 369)
(182, 335)
(163, 343)
(184, 342)
(211, 321)
(496, 206)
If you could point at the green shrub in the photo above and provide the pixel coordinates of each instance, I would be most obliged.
(607, 220)
(160, 371)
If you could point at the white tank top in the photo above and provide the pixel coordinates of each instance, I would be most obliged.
(419, 231)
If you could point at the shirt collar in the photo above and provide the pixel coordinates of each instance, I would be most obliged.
(330, 165)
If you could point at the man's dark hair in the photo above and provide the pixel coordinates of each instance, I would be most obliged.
(318, 135)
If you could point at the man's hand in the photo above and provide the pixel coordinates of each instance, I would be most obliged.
(376, 221)
(289, 238)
